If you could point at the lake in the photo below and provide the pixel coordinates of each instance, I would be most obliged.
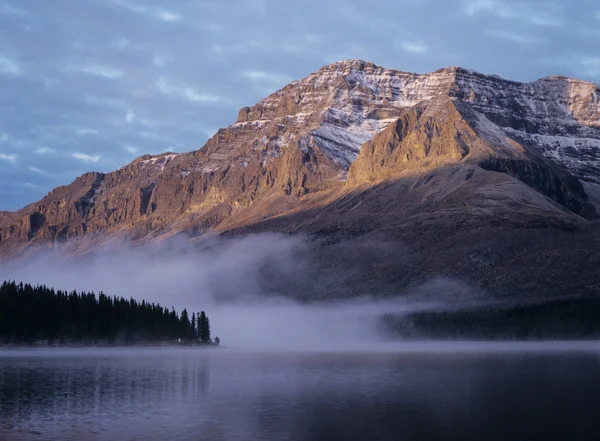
(444, 391)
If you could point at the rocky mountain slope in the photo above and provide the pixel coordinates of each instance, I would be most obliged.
(353, 150)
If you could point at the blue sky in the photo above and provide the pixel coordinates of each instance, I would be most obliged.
(92, 84)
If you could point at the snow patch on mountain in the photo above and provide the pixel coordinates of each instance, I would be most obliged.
(347, 103)
(581, 156)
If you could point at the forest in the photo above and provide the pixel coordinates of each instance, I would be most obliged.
(563, 319)
(41, 315)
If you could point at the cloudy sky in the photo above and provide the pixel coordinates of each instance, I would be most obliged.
(92, 84)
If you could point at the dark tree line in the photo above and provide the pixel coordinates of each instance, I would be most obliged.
(553, 319)
(30, 314)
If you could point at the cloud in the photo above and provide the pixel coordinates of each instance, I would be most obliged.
(544, 21)
(414, 47)
(516, 37)
(131, 149)
(82, 132)
(38, 171)
(495, 7)
(168, 16)
(258, 75)
(161, 60)
(168, 88)
(227, 49)
(192, 95)
(129, 117)
(150, 11)
(100, 71)
(8, 158)
(85, 157)
(125, 44)
(9, 66)
(520, 11)
(7, 8)
(133, 118)
(133, 7)
(43, 150)
(104, 101)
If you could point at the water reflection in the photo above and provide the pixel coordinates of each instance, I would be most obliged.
(226, 395)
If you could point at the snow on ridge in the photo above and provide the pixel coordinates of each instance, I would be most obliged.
(347, 125)
(361, 78)
(558, 100)
(345, 107)
(346, 104)
(580, 155)
(492, 133)
(161, 161)
(257, 122)
(556, 116)
(96, 190)
(341, 144)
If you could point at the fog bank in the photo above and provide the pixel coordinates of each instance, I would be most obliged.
(257, 289)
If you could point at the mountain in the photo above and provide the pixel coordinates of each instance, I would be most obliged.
(355, 152)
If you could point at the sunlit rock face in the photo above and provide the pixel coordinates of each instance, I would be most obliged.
(304, 140)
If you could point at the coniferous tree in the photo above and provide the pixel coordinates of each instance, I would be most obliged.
(207, 332)
(185, 324)
(204, 328)
(30, 314)
(194, 331)
(201, 325)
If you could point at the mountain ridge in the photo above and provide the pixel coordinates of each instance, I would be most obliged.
(305, 138)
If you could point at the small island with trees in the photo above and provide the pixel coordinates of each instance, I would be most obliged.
(38, 315)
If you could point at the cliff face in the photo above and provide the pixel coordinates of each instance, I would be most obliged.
(416, 140)
(350, 124)
(423, 139)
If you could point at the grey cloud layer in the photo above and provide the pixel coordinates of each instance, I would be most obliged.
(91, 84)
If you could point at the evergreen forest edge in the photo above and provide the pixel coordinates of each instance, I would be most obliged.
(557, 319)
(38, 314)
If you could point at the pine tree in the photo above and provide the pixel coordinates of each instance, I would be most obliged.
(204, 328)
(185, 324)
(217, 341)
(198, 329)
(194, 331)
(207, 332)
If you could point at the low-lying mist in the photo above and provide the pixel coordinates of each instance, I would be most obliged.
(261, 291)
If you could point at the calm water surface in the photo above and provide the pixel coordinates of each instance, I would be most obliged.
(436, 392)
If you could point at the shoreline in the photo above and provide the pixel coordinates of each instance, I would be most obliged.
(110, 346)
(440, 347)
